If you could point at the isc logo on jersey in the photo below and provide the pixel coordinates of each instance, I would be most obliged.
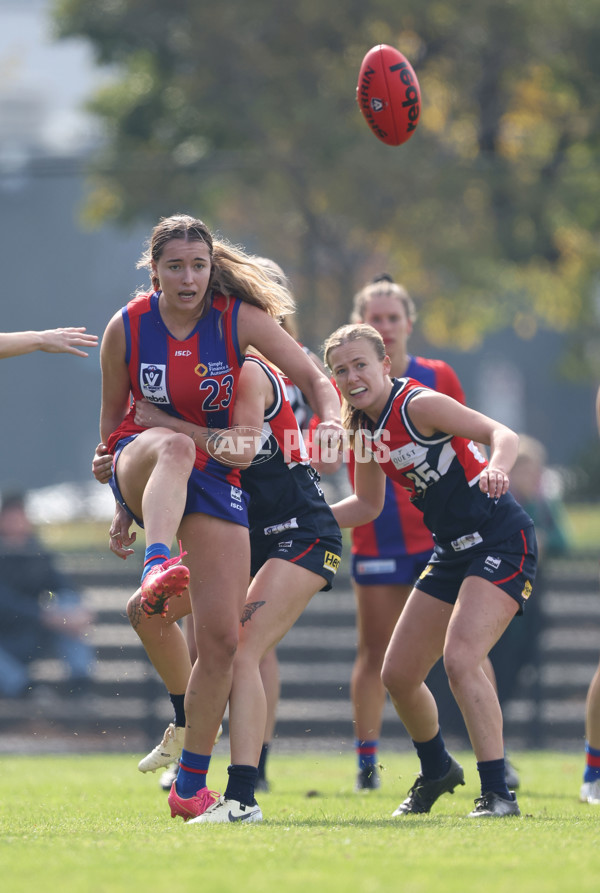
(153, 382)
(236, 497)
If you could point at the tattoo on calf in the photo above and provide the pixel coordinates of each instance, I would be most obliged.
(249, 610)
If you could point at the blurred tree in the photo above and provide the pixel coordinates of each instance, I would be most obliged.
(244, 113)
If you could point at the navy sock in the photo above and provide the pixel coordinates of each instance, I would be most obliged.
(193, 768)
(241, 784)
(155, 553)
(178, 706)
(493, 778)
(592, 763)
(435, 759)
(262, 762)
(366, 752)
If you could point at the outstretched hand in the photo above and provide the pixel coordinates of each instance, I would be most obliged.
(67, 340)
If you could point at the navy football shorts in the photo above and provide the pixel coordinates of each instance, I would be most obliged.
(206, 494)
(510, 565)
(320, 554)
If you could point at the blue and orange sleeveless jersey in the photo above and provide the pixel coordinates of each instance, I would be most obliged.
(399, 529)
(194, 379)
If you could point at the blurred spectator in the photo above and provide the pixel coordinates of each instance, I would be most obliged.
(42, 616)
(590, 788)
(530, 484)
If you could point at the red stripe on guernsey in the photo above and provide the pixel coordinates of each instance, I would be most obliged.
(592, 761)
(279, 419)
(516, 573)
(306, 551)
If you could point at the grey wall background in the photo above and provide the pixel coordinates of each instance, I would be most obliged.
(55, 273)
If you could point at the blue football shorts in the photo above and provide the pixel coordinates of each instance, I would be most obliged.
(369, 570)
(206, 494)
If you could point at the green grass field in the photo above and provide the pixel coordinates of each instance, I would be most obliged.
(87, 824)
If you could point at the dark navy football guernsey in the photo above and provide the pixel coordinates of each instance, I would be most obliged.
(399, 529)
(441, 474)
(269, 480)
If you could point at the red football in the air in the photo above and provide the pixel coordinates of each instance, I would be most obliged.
(389, 95)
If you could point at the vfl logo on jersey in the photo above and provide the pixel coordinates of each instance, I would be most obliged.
(153, 382)
(332, 561)
(491, 563)
(236, 493)
(283, 547)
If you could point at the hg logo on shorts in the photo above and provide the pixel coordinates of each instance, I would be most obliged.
(332, 561)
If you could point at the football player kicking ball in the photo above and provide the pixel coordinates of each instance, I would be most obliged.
(479, 575)
(295, 547)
